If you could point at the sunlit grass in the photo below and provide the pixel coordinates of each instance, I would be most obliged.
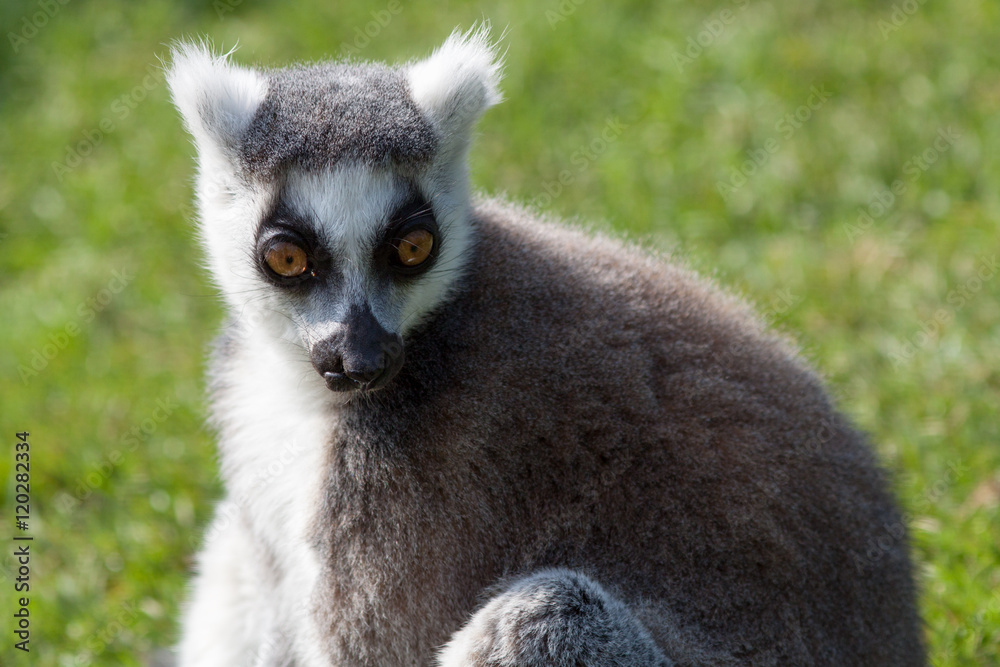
(725, 156)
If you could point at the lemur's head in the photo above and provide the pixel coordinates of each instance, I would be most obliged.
(334, 198)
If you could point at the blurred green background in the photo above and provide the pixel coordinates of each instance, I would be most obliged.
(758, 140)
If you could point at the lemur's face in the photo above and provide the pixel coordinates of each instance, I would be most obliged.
(333, 198)
(352, 259)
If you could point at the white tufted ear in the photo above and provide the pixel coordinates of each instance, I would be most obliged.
(216, 98)
(457, 83)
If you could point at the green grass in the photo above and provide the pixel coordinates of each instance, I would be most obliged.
(121, 490)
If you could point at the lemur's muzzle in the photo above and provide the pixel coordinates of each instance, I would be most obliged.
(361, 355)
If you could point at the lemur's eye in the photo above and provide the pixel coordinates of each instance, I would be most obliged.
(287, 259)
(289, 253)
(412, 243)
(415, 247)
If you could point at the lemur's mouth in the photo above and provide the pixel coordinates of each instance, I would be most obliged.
(360, 356)
(341, 381)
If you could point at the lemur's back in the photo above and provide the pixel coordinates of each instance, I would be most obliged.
(581, 405)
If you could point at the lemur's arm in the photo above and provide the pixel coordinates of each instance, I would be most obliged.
(553, 618)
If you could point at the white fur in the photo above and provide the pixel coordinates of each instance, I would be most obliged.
(453, 87)
(273, 445)
(457, 83)
(349, 205)
(276, 415)
(216, 98)
(446, 186)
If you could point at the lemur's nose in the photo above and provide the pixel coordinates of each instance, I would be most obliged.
(361, 355)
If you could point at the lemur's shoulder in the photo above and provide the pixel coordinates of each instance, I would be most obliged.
(570, 276)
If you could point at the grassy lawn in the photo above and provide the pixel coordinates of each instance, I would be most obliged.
(837, 163)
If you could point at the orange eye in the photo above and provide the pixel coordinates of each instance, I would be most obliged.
(287, 259)
(415, 247)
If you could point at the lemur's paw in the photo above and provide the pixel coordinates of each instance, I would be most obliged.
(553, 618)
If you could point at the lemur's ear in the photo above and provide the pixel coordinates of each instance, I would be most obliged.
(216, 98)
(457, 83)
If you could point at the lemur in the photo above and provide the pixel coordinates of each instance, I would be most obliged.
(455, 432)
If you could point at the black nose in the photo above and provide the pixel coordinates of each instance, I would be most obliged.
(361, 355)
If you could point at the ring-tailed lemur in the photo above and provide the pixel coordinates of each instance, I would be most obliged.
(455, 432)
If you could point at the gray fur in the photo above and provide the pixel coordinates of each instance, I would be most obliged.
(585, 406)
(591, 456)
(559, 618)
(318, 115)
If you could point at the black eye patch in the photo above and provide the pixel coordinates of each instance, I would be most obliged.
(414, 207)
(411, 241)
(284, 226)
